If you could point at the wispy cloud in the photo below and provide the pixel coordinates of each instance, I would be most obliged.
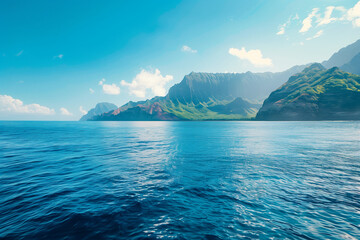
(9, 104)
(356, 22)
(111, 89)
(282, 27)
(188, 49)
(19, 53)
(91, 90)
(60, 56)
(318, 18)
(281, 30)
(332, 14)
(353, 15)
(318, 34)
(82, 110)
(328, 15)
(65, 112)
(307, 22)
(147, 80)
(253, 56)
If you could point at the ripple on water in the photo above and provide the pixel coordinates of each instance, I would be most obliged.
(180, 180)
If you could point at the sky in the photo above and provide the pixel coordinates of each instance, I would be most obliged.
(58, 59)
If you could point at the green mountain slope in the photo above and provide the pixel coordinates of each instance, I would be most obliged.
(315, 94)
(203, 87)
(140, 112)
(206, 96)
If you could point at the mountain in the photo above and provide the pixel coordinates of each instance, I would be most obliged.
(316, 93)
(353, 66)
(140, 112)
(206, 96)
(343, 56)
(238, 106)
(99, 109)
(202, 87)
(235, 96)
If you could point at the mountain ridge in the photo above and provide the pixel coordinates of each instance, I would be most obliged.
(196, 96)
(343, 56)
(316, 93)
(99, 109)
(235, 96)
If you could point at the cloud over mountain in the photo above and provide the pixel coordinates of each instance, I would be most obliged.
(82, 110)
(65, 112)
(111, 89)
(255, 56)
(147, 80)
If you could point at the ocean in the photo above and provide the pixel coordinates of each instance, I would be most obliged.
(180, 180)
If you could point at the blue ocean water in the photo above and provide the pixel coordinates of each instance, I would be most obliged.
(180, 180)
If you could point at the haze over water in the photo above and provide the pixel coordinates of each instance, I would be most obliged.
(179, 180)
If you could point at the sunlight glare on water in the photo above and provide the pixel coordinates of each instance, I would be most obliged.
(180, 180)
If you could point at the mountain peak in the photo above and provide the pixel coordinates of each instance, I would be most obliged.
(315, 67)
(333, 69)
(343, 56)
(102, 104)
(99, 109)
(315, 95)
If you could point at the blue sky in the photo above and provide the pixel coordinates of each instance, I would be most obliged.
(59, 58)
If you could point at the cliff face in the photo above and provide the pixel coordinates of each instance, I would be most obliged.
(202, 87)
(315, 94)
(205, 96)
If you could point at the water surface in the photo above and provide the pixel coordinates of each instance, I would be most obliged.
(180, 180)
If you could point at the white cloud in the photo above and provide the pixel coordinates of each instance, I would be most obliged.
(188, 49)
(253, 56)
(65, 112)
(318, 34)
(148, 80)
(281, 30)
(19, 53)
(282, 27)
(101, 82)
(328, 15)
(356, 22)
(9, 104)
(60, 56)
(111, 89)
(341, 14)
(307, 22)
(82, 110)
(353, 14)
(91, 90)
